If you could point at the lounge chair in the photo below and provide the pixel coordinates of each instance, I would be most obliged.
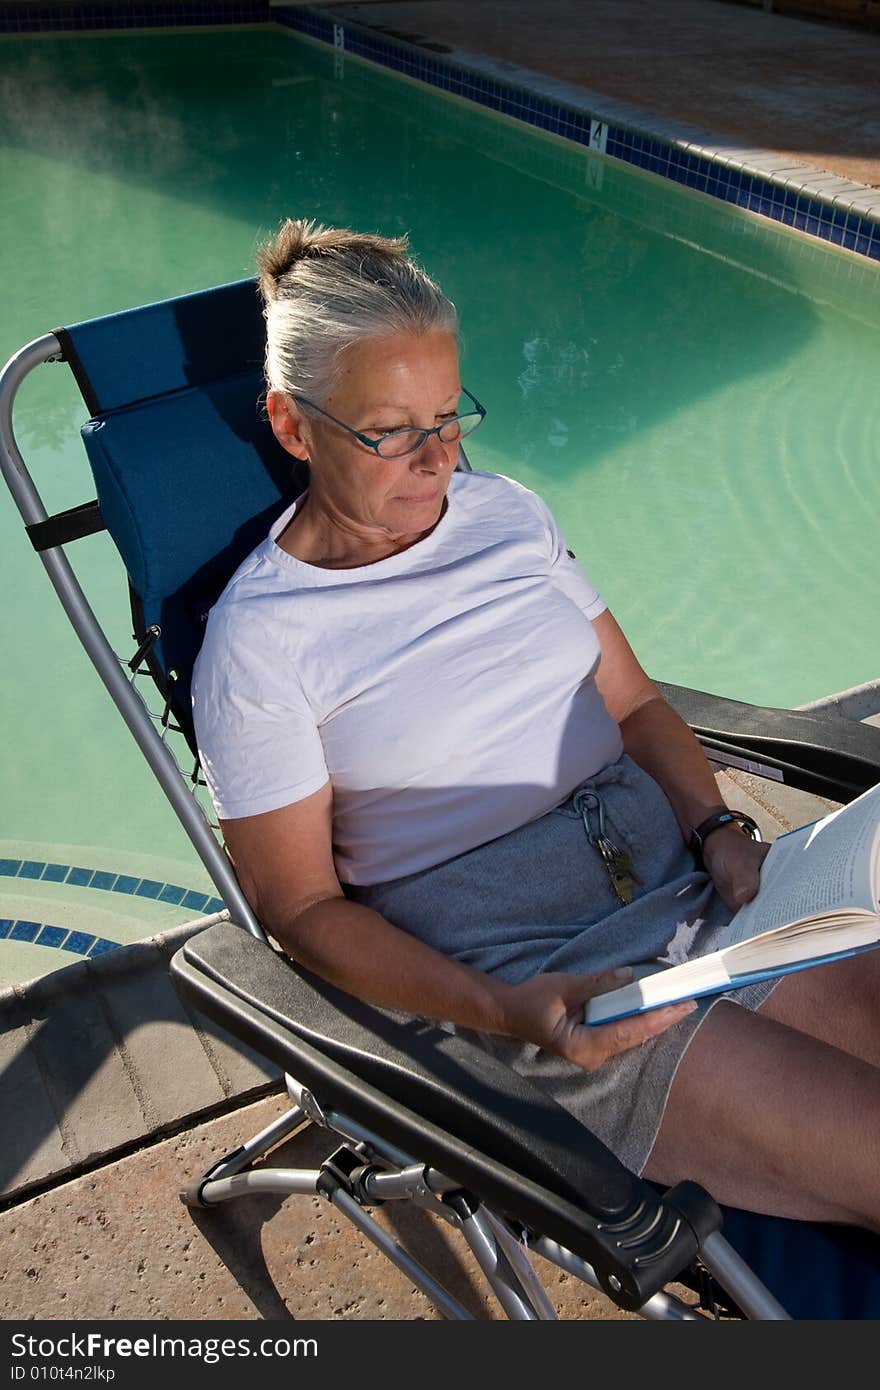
(188, 478)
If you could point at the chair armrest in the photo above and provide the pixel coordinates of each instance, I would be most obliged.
(451, 1105)
(820, 753)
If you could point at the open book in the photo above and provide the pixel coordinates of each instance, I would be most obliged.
(819, 900)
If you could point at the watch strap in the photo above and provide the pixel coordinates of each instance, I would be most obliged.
(701, 832)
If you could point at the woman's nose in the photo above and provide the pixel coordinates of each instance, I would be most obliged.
(433, 453)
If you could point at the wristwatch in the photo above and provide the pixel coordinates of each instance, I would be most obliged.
(701, 832)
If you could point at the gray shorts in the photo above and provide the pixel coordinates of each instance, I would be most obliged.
(539, 899)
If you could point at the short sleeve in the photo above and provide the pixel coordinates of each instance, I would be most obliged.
(565, 571)
(258, 740)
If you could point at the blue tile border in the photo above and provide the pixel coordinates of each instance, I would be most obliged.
(59, 938)
(76, 876)
(82, 943)
(832, 215)
(66, 18)
(78, 943)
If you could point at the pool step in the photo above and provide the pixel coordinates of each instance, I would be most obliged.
(101, 1055)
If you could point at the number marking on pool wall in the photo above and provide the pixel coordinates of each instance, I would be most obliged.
(598, 135)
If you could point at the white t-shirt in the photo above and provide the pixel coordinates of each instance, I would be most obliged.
(446, 691)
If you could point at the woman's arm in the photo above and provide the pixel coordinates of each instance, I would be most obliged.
(284, 864)
(661, 742)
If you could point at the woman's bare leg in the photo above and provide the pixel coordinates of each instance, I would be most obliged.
(768, 1118)
(838, 1003)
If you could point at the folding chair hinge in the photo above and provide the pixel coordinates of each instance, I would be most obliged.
(345, 1168)
(312, 1109)
(462, 1204)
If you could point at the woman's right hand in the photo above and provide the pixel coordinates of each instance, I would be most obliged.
(549, 1009)
(298, 898)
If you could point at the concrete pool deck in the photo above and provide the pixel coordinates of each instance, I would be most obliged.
(795, 87)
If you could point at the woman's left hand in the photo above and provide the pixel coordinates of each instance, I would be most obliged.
(733, 862)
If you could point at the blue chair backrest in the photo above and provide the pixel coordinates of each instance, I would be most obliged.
(188, 473)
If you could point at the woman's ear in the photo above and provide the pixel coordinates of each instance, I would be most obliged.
(289, 425)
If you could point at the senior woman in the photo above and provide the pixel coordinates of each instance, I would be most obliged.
(447, 785)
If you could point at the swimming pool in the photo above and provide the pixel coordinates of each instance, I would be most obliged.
(690, 387)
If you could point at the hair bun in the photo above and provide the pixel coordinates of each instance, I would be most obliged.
(302, 239)
(275, 257)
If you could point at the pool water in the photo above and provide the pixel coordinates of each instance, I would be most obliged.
(690, 388)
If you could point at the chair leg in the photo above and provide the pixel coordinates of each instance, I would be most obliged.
(439, 1296)
(734, 1275)
(507, 1268)
(367, 1170)
(193, 1193)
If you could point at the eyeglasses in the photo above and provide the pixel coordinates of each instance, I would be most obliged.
(396, 444)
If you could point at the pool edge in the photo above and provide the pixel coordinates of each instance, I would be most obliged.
(823, 206)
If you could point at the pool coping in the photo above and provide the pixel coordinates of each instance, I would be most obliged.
(822, 205)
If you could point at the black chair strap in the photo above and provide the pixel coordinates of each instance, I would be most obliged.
(71, 525)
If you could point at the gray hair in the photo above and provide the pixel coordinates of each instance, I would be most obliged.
(326, 288)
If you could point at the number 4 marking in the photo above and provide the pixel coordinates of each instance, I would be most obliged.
(598, 135)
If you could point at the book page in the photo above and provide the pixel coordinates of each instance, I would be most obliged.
(825, 867)
(786, 945)
(694, 977)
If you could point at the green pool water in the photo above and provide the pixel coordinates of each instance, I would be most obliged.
(693, 390)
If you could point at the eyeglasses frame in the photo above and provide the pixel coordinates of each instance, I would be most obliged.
(409, 429)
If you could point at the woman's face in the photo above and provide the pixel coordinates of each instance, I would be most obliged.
(405, 381)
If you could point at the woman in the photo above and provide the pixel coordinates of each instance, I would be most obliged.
(448, 787)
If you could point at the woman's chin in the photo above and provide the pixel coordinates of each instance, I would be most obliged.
(413, 516)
